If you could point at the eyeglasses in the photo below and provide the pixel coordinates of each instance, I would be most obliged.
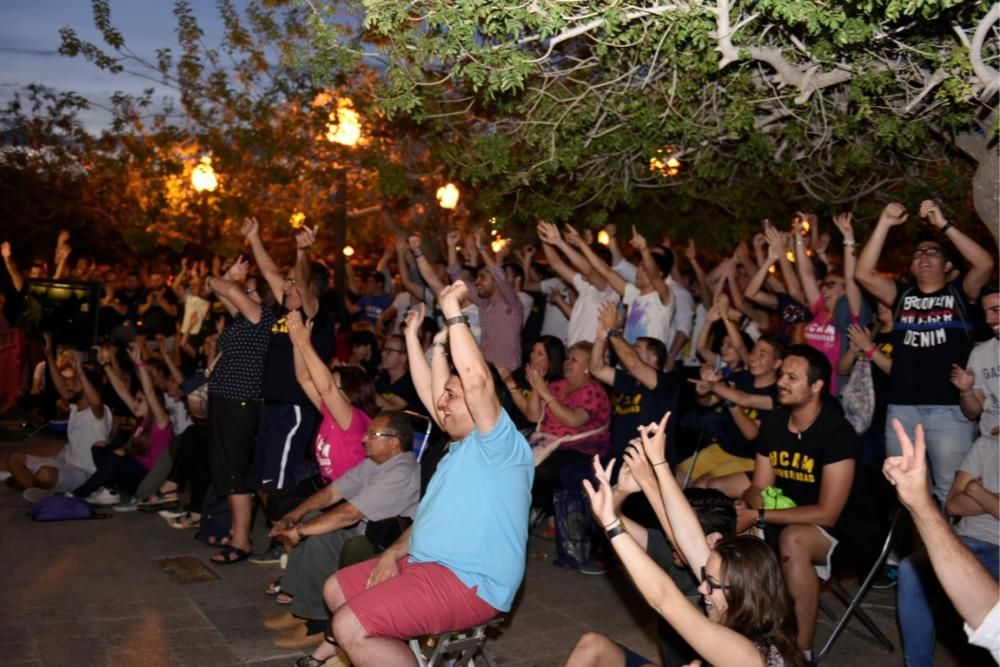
(382, 434)
(927, 252)
(713, 585)
(392, 349)
(830, 284)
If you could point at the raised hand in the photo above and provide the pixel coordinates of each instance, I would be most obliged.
(298, 331)
(601, 499)
(908, 473)
(572, 236)
(638, 240)
(608, 318)
(453, 238)
(962, 378)
(930, 211)
(691, 252)
(654, 440)
(63, 237)
(306, 237)
(548, 232)
(238, 271)
(759, 241)
(414, 318)
(860, 337)
(250, 227)
(414, 243)
(611, 230)
(627, 482)
(638, 465)
(453, 295)
(844, 222)
(588, 236)
(893, 215)
(5, 249)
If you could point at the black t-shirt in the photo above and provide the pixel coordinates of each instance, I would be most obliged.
(156, 320)
(521, 382)
(880, 380)
(729, 437)
(131, 299)
(798, 462)
(403, 388)
(636, 405)
(280, 385)
(932, 331)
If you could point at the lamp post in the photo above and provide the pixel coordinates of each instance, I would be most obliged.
(204, 180)
(344, 129)
(447, 196)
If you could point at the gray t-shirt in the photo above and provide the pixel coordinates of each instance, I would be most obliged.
(983, 462)
(984, 360)
(381, 491)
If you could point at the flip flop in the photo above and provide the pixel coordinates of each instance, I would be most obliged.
(274, 587)
(230, 555)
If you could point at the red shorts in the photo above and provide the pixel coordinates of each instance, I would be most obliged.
(423, 599)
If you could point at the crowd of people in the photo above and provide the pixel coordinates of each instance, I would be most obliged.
(404, 434)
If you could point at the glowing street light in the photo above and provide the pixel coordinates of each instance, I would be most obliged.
(203, 178)
(603, 237)
(344, 127)
(297, 220)
(348, 250)
(664, 162)
(447, 196)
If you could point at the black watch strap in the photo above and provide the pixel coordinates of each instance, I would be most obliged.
(615, 531)
(458, 319)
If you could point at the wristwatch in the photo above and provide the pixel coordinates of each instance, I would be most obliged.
(458, 319)
(761, 521)
(614, 531)
(617, 332)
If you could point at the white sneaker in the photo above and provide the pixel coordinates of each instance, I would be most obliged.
(34, 494)
(171, 514)
(103, 497)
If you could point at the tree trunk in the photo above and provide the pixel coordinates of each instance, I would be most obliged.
(986, 190)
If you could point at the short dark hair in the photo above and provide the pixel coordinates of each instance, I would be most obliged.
(378, 277)
(664, 259)
(989, 289)
(656, 346)
(819, 365)
(776, 344)
(320, 278)
(928, 236)
(715, 511)
(399, 423)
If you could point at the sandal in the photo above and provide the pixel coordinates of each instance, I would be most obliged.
(274, 587)
(230, 555)
(159, 500)
(182, 522)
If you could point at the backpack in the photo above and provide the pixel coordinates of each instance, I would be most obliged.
(858, 396)
(573, 527)
(63, 508)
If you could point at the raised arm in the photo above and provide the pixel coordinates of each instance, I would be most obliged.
(657, 279)
(755, 288)
(420, 370)
(701, 345)
(477, 382)
(89, 390)
(251, 231)
(304, 379)
(607, 321)
(404, 261)
(705, 294)
(571, 244)
(980, 261)
(119, 384)
(883, 289)
(712, 641)
(15, 276)
(531, 281)
(160, 416)
(550, 238)
(844, 223)
(303, 270)
(600, 268)
(320, 374)
(735, 338)
(424, 267)
(235, 295)
(969, 586)
(777, 240)
(807, 273)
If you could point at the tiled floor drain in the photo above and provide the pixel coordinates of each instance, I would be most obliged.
(187, 570)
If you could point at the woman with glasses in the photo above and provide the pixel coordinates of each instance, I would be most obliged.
(748, 618)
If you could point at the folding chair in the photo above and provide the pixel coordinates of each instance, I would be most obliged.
(853, 603)
(421, 435)
(455, 649)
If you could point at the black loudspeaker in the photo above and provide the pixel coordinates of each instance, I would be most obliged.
(67, 309)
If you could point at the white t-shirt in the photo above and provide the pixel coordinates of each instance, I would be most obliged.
(586, 312)
(984, 360)
(683, 319)
(177, 410)
(648, 316)
(554, 322)
(690, 354)
(83, 431)
(527, 303)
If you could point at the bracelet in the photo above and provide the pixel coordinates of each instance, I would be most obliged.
(442, 346)
(458, 319)
(946, 226)
(617, 332)
(609, 525)
(870, 352)
(417, 254)
(614, 532)
(761, 521)
(660, 463)
(850, 244)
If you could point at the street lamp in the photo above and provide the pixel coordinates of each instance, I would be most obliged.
(447, 196)
(344, 129)
(203, 178)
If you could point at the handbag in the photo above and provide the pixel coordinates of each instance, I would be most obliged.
(858, 397)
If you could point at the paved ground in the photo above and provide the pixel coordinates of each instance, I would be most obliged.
(91, 593)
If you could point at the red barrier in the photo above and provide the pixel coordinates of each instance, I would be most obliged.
(11, 341)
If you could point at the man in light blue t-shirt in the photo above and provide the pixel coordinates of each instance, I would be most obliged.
(462, 561)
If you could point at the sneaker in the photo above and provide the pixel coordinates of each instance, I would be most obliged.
(886, 578)
(127, 504)
(104, 497)
(270, 556)
(34, 494)
(592, 567)
(171, 514)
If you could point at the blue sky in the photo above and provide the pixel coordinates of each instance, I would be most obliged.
(29, 45)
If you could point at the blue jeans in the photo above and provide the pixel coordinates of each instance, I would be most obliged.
(916, 587)
(949, 435)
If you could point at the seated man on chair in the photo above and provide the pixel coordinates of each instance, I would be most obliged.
(385, 485)
(808, 450)
(463, 559)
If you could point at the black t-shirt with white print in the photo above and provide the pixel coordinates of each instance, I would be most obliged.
(932, 331)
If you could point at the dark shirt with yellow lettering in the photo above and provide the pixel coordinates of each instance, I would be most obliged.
(798, 463)
(636, 405)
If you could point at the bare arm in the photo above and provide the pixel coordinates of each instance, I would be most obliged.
(843, 222)
(420, 370)
(598, 369)
(160, 415)
(15, 276)
(320, 374)
(304, 379)
(833, 492)
(251, 231)
(866, 271)
(980, 260)
(234, 294)
(303, 270)
(425, 268)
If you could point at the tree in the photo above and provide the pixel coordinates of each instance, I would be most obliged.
(556, 109)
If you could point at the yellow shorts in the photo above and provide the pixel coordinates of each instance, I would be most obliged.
(716, 462)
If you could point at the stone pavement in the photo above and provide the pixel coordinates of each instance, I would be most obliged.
(91, 593)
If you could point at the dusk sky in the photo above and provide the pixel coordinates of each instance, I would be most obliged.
(29, 45)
